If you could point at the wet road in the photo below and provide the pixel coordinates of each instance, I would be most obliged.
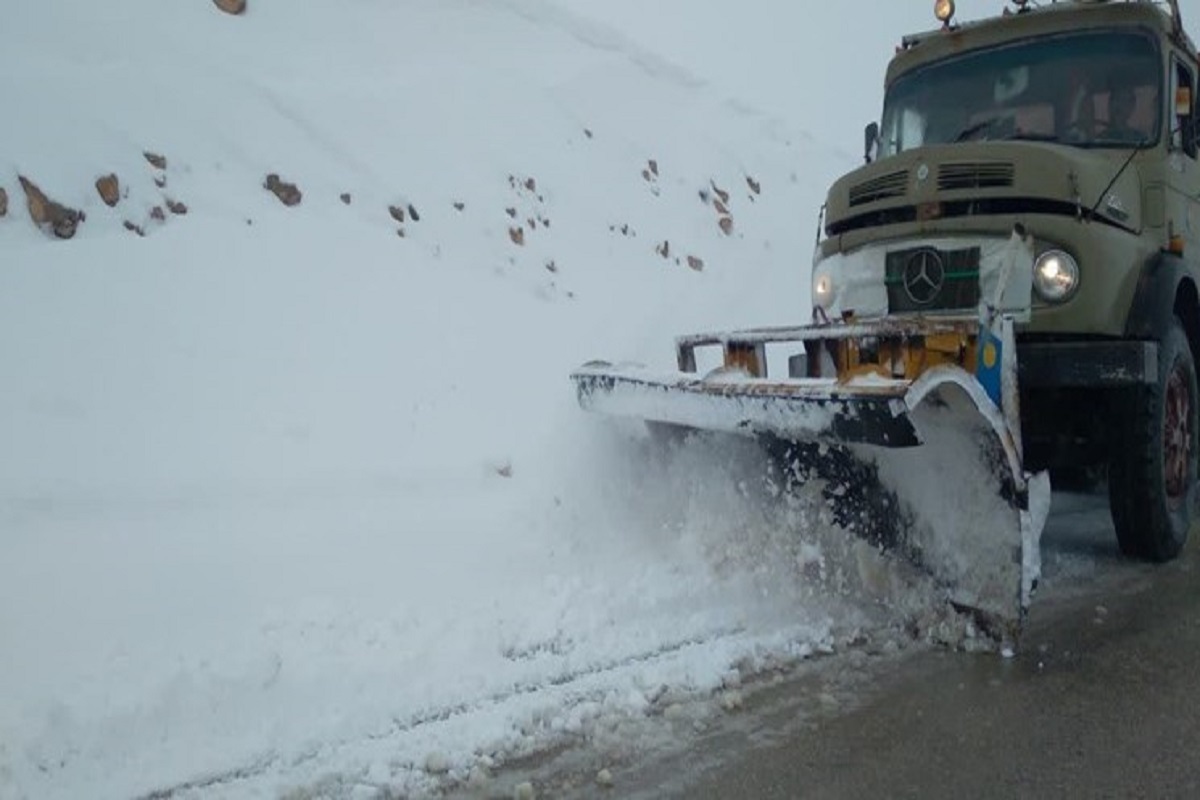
(1103, 701)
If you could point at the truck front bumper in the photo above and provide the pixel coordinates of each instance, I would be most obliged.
(1100, 364)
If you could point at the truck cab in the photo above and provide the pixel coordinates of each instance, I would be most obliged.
(1042, 163)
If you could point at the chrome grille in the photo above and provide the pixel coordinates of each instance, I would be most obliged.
(913, 286)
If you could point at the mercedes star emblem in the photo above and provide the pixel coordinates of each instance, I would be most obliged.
(924, 275)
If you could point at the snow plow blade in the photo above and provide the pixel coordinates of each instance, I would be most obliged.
(913, 428)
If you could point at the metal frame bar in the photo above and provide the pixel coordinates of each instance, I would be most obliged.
(747, 348)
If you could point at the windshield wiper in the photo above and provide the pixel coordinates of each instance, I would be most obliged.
(1119, 143)
(978, 127)
(1136, 148)
(1032, 137)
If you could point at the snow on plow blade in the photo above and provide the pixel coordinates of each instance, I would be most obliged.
(923, 415)
(791, 409)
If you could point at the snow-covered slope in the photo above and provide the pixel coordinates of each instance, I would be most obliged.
(286, 493)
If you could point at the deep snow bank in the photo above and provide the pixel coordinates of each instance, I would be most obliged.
(284, 492)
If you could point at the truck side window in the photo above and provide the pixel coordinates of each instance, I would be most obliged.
(1183, 126)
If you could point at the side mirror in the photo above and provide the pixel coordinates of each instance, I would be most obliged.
(872, 139)
(1183, 101)
(1184, 117)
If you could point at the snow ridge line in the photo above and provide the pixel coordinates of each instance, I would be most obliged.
(563, 679)
(212, 780)
(595, 34)
(264, 764)
(600, 36)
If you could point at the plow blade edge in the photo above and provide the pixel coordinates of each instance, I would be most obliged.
(938, 449)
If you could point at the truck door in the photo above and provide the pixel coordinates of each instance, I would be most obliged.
(1184, 190)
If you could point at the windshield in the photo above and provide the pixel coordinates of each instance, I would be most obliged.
(1098, 89)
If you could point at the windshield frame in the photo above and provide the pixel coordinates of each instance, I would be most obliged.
(889, 146)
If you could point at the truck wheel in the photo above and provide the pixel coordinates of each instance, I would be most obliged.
(1153, 465)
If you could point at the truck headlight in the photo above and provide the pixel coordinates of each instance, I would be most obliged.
(1055, 275)
(822, 290)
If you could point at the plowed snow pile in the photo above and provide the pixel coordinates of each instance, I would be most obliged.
(288, 491)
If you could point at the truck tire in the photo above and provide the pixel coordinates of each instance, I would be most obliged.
(1152, 468)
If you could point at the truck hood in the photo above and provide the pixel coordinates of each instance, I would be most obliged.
(980, 178)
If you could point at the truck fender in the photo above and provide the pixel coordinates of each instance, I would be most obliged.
(1158, 287)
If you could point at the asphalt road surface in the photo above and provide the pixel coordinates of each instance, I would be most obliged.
(1102, 701)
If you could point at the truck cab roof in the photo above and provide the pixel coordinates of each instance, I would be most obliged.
(930, 46)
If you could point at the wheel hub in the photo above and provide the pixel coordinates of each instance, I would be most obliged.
(1177, 437)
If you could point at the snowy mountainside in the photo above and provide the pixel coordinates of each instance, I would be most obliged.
(592, 158)
(292, 491)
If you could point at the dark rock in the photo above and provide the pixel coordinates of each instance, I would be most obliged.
(288, 193)
(109, 189)
(234, 7)
(47, 214)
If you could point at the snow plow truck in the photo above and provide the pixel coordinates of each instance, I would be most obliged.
(1006, 291)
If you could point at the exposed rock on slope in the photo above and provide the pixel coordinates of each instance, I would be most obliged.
(231, 6)
(109, 189)
(288, 193)
(49, 215)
